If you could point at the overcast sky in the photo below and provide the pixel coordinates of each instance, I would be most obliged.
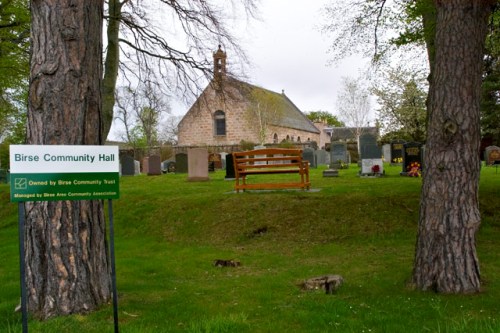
(288, 52)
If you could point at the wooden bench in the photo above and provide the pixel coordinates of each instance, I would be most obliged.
(270, 161)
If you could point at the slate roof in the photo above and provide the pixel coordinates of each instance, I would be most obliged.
(291, 116)
(348, 133)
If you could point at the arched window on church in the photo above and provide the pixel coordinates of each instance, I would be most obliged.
(219, 123)
(275, 138)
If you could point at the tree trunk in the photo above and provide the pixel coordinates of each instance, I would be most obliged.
(446, 259)
(66, 259)
(111, 64)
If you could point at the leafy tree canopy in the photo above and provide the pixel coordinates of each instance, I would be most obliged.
(326, 117)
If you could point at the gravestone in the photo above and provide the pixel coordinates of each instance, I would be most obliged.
(181, 163)
(168, 166)
(260, 147)
(371, 156)
(368, 146)
(216, 159)
(321, 157)
(397, 148)
(197, 164)
(223, 160)
(154, 165)
(145, 165)
(412, 153)
(308, 155)
(386, 152)
(128, 167)
(338, 154)
(230, 174)
(492, 155)
(137, 168)
(372, 167)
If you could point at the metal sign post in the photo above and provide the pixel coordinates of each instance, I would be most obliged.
(22, 268)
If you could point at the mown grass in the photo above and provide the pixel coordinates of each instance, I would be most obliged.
(168, 232)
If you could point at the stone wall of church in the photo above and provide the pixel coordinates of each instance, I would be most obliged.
(197, 126)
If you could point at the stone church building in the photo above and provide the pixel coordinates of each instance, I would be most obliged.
(230, 111)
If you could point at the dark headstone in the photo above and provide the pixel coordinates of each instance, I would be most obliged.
(308, 155)
(321, 157)
(412, 153)
(368, 146)
(230, 174)
(492, 155)
(397, 148)
(154, 165)
(181, 163)
(128, 166)
(338, 154)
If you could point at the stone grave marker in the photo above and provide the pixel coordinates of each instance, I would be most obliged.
(372, 167)
(368, 147)
(386, 152)
(197, 164)
(128, 167)
(492, 155)
(145, 165)
(338, 154)
(371, 156)
(397, 148)
(216, 159)
(321, 157)
(412, 153)
(154, 165)
(223, 160)
(181, 163)
(230, 174)
(137, 168)
(308, 155)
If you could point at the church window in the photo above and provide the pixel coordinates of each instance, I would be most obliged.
(219, 122)
(275, 138)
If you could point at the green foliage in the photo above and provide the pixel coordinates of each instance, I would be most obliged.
(490, 88)
(326, 117)
(14, 66)
(247, 145)
(266, 108)
(402, 96)
(168, 231)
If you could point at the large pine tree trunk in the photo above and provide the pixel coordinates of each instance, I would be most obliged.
(446, 259)
(66, 258)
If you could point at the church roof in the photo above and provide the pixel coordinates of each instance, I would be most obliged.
(290, 114)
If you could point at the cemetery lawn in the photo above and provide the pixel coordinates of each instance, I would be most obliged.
(169, 231)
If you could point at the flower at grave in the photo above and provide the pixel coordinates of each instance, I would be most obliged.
(414, 170)
(376, 168)
(397, 160)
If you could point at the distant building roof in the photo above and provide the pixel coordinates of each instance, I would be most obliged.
(349, 133)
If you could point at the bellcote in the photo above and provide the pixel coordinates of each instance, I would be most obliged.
(219, 63)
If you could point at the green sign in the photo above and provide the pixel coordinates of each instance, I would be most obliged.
(46, 173)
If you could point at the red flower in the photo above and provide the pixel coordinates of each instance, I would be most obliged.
(376, 168)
